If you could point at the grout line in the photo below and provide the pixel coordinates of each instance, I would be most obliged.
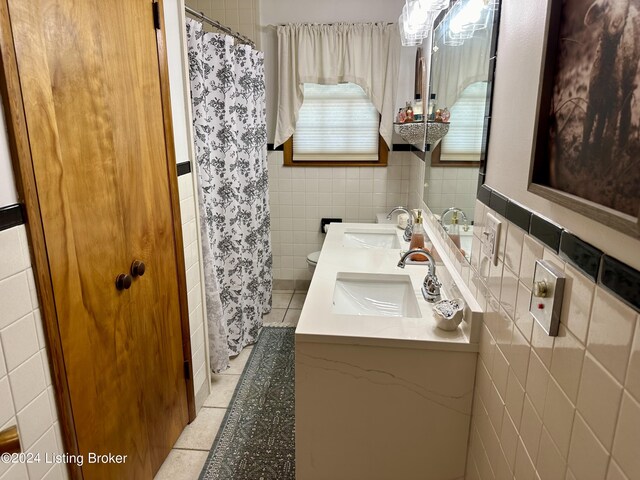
(191, 449)
(51, 427)
(624, 389)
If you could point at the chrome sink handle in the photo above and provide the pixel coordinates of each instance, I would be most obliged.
(408, 233)
(431, 285)
(431, 289)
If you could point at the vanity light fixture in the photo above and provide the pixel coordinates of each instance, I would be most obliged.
(471, 15)
(416, 19)
(415, 23)
(453, 30)
(464, 18)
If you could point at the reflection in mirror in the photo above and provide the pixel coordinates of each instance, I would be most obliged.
(461, 52)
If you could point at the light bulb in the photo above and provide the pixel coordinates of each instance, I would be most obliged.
(469, 15)
(417, 18)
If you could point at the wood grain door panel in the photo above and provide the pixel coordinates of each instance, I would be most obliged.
(155, 309)
(91, 92)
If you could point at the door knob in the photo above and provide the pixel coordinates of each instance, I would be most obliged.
(123, 281)
(137, 268)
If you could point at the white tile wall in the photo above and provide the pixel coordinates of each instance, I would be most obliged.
(451, 186)
(180, 100)
(571, 405)
(26, 394)
(416, 181)
(301, 196)
(190, 235)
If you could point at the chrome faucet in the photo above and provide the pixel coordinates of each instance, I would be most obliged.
(409, 229)
(454, 217)
(430, 285)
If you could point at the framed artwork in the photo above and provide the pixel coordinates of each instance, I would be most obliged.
(586, 148)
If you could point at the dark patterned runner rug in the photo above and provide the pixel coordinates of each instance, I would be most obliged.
(256, 440)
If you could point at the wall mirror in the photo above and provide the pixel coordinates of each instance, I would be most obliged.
(463, 48)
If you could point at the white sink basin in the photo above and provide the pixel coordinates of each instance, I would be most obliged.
(370, 239)
(375, 295)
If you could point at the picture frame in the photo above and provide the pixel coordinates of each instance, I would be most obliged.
(586, 144)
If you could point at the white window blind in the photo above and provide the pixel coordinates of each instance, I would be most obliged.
(336, 123)
(464, 140)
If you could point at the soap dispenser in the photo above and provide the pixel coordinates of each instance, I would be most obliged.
(418, 236)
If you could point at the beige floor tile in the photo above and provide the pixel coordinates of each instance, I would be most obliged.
(283, 285)
(237, 363)
(292, 317)
(200, 434)
(222, 388)
(298, 300)
(275, 316)
(182, 465)
(281, 300)
(282, 291)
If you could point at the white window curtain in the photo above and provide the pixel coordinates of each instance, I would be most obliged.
(457, 67)
(463, 142)
(366, 54)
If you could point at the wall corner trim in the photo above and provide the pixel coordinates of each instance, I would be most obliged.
(11, 216)
(183, 168)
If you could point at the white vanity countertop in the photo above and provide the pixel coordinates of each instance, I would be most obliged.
(318, 323)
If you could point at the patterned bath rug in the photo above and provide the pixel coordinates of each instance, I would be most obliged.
(256, 440)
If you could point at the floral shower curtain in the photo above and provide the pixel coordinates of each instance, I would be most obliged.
(229, 121)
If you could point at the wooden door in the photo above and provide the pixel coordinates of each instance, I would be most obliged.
(90, 81)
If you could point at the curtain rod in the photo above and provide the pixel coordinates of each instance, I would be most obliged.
(214, 23)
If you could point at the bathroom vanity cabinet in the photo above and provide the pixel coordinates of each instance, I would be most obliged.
(380, 397)
(375, 412)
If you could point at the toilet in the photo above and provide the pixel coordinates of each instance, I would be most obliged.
(312, 261)
(312, 258)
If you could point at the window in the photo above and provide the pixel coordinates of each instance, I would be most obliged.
(336, 124)
(463, 143)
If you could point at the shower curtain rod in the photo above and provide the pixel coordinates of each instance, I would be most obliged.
(214, 23)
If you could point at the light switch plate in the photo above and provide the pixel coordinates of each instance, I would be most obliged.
(491, 238)
(546, 297)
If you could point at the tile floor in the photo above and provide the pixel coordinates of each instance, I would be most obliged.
(192, 448)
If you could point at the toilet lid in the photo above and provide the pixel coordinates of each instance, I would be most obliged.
(312, 258)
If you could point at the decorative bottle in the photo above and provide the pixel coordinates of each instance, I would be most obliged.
(431, 112)
(418, 236)
(446, 115)
(409, 113)
(418, 109)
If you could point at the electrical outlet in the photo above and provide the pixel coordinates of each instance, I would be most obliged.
(491, 238)
(327, 221)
